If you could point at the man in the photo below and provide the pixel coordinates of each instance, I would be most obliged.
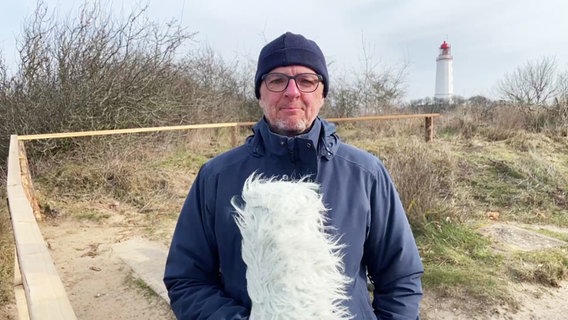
(205, 273)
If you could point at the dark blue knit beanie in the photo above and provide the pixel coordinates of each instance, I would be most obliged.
(290, 49)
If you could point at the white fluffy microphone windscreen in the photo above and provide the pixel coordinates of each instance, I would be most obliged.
(294, 265)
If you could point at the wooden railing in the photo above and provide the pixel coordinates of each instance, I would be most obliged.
(40, 294)
(39, 291)
(428, 121)
(429, 126)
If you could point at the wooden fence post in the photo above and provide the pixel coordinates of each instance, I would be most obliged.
(429, 127)
(234, 134)
(19, 291)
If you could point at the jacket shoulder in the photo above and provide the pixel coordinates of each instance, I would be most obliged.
(359, 157)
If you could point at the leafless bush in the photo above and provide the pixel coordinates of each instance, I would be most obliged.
(6, 250)
(422, 177)
(539, 94)
(93, 72)
(530, 84)
(467, 119)
(97, 72)
(501, 120)
(344, 101)
(223, 91)
(377, 89)
(552, 120)
(370, 93)
(5, 114)
(4, 82)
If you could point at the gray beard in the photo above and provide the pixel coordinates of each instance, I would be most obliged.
(289, 129)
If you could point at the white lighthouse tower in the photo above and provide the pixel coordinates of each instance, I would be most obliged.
(444, 73)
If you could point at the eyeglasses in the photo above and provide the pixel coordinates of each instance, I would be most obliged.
(305, 82)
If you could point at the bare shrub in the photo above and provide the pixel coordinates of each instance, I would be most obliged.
(4, 81)
(422, 176)
(536, 93)
(471, 119)
(5, 114)
(390, 128)
(530, 84)
(6, 250)
(548, 119)
(377, 89)
(501, 121)
(551, 120)
(344, 101)
(458, 123)
(95, 72)
(509, 117)
(221, 91)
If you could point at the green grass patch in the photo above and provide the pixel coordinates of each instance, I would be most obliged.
(459, 261)
(92, 215)
(142, 286)
(183, 159)
(554, 234)
(480, 284)
(456, 244)
(523, 184)
(559, 217)
(547, 267)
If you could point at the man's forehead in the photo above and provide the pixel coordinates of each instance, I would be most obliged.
(294, 69)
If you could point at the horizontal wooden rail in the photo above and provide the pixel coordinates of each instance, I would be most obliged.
(132, 130)
(209, 126)
(428, 121)
(386, 117)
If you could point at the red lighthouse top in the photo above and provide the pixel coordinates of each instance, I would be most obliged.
(445, 49)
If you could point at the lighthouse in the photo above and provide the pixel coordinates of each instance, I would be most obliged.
(444, 73)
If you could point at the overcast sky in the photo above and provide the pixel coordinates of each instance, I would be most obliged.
(489, 38)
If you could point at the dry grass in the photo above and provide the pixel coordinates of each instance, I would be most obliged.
(129, 167)
(422, 173)
(6, 254)
(548, 267)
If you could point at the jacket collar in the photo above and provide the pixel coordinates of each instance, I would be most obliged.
(329, 140)
(322, 135)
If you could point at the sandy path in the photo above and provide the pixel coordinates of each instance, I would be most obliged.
(99, 284)
(536, 304)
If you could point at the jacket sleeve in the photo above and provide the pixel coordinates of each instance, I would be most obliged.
(192, 267)
(391, 255)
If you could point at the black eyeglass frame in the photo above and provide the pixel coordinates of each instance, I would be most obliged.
(319, 78)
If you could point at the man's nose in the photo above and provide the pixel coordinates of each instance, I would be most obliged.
(292, 88)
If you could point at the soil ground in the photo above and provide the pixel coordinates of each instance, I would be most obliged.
(101, 286)
(535, 301)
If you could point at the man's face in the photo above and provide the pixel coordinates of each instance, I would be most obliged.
(291, 112)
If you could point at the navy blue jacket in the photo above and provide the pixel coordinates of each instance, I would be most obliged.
(205, 274)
